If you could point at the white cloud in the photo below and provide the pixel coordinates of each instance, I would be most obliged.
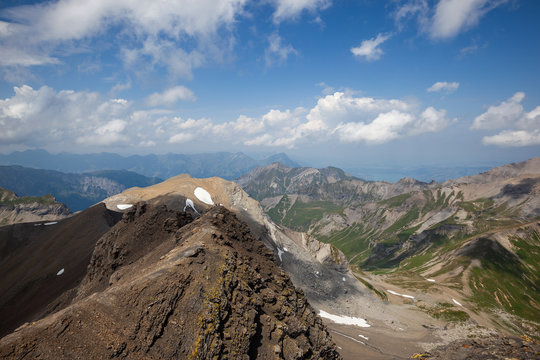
(454, 16)
(68, 119)
(107, 134)
(181, 138)
(411, 9)
(276, 53)
(385, 127)
(519, 128)
(339, 116)
(171, 96)
(369, 49)
(179, 35)
(514, 138)
(291, 9)
(506, 114)
(447, 18)
(447, 87)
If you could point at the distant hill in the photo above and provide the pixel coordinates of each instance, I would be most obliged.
(15, 209)
(222, 164)
(76, 191)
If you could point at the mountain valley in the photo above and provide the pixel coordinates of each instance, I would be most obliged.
(463, 250)
(314, 264)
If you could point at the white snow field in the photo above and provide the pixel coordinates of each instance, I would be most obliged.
(203, 196)
(398, 294)
(124, 206)
(346, 320)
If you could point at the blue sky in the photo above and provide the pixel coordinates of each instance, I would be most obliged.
(346, 83)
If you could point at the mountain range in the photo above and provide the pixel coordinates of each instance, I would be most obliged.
(223, 164)
(474, 239)
(76, 191)
(326, 265)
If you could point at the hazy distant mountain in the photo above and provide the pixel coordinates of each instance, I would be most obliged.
(76, 191)
(422, 173)
(223, 164)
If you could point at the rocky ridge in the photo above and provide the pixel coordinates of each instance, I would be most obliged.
(193, 290)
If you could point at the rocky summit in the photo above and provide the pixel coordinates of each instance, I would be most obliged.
(162, 285)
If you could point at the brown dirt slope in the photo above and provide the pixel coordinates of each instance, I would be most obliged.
(31, 255)
(206, 290)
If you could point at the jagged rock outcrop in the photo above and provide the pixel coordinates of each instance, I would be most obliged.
(158, 288)
(14, 209)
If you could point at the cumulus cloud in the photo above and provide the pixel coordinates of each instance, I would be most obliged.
(447, 87)
(44, 116)
(447, 18)
(378, 121)
(291, 9)
(507, 113)
(519, 128)
(177, 35)
(68, 119)
(171, 96)
(514, 138)
(369, 49)
(276, 53)
(338, 117)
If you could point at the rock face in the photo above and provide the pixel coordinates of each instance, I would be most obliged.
(497, 347)
(14, 209)
(160, 286)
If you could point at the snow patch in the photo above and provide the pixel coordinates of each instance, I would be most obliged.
(60, 272)
(346, 320)
(431, 280)
(189, 203)
(398, 294)
(51, 223)
(343, 278)
(363, 337)
(279, 253)
(203, 196)
(124, 206)
(456, 302)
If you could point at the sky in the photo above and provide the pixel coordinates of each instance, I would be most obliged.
(329, 82)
